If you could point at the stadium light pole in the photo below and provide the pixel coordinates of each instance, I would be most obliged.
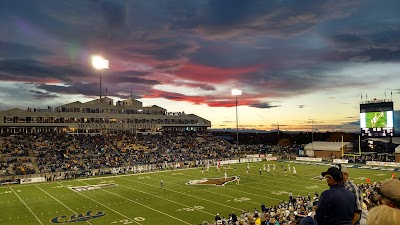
(237, 92)
(100, 63)
(312, 135)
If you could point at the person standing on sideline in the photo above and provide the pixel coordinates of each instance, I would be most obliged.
(351, 186)
(161, 183)
(237, 180)
(294, 171)
(225, 175)
(260, 171)
(337, 204)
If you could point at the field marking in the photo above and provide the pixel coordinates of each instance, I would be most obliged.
(59, 202)
(228, 196)
(103, 205)
(272, 178)
(26, 206)
(142, 205)
(217, 203)
(353, 170)
(166, 199)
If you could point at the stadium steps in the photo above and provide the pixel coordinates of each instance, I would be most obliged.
(33, 159)
(113, 145)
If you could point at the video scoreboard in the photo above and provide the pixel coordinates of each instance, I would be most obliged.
(376, 118)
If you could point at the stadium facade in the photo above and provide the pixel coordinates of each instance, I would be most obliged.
(100, 116)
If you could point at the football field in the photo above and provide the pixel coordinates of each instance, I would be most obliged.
(139, 198)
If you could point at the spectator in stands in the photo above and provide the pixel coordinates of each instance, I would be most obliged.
(351, 186)
(383, 215)
(217, 217)
(273, 221)
(308, 221)
(234, 217)
(336, 205)
(390, 193)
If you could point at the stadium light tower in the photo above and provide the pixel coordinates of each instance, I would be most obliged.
(237, 92)
(100, 63)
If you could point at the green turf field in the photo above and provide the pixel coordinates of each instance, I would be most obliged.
(138, 198)
(376, 119)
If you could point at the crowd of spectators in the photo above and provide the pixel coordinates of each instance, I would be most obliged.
(55, 152)
(83, 154)
(371, 156)
(294, 210)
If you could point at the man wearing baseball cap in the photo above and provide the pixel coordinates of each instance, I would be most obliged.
(390, 193)
(351, 186)
(336, 205)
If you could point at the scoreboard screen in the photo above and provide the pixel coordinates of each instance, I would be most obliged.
(376, 119)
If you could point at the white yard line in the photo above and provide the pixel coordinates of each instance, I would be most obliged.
(226, 187)
(26, 206)
(60, 202)
(256, 203)
(132, 220)
(143, 205)
(165, 199)
(217, 203)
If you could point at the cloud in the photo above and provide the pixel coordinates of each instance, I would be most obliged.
(114, 14)
(43, 95)
(204, 73)
(263, 105)
(14, 50)
(35, 71)
(202, 86)
(214, 19)
(360, 58)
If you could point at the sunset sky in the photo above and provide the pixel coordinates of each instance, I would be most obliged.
(297, 62)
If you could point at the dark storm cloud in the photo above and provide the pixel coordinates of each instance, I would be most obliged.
(382, 55)
(15, 50)
(43, 95)
(263, 105)
(76, 88)
(130, 79)
(32, 69)
(278, 48)
(228, 18)
(114, 13)
(368, 34)
(167, 48)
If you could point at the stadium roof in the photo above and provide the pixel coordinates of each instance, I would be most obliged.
(325, 146)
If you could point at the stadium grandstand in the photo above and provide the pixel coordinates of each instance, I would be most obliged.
(99, 116)
(98, 140)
